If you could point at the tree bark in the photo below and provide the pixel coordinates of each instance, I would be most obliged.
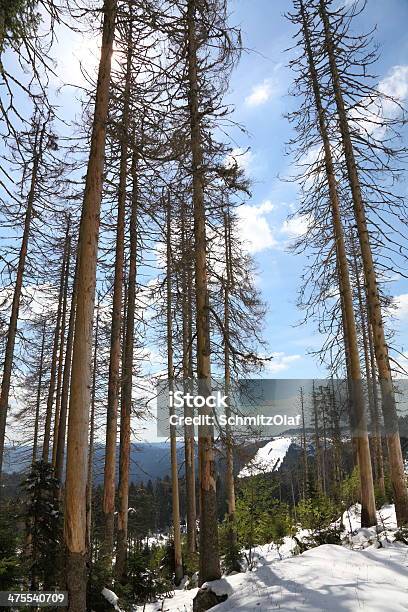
(89, 484)
(54, 357)
(127, 385)
(374, 304)
(77, 439)
(368, 512)
(62, 426)
(209, 568)
(108, 502)
(61, 358)
(189, 444)
(38, 401)
(178, 562)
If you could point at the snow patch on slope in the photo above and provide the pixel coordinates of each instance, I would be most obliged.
(268, 458)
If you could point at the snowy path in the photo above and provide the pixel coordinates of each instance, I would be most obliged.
(332, 578)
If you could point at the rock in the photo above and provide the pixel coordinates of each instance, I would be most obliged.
(206, 599)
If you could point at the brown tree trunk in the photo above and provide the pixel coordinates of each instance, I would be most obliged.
(89, 484)
(127, 385)
(38, 402)
(373, 297)
(209, 568)
(229, 447)
(54, 357)
(15, 307)
(77, 439)
(368, 513)
(61, 357)
(304, 447)
(189, 444)
(62, 425)
(178, 562)
(108, 502)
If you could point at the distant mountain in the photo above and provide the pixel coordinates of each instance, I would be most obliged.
(148, 460)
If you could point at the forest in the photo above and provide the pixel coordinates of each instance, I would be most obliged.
(125, 266)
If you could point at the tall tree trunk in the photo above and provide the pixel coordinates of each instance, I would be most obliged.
(304, 447)
(62, 425)
(209, 568)
(127, 385)
(77, 439)
(61, 358)
(368, 513)
(89, 484)
(374, 304)
(178, 562)
(15, 306)
(38, 401)
(54, 356)
(229, 447)
(108, 503)
(375, 434)
(189, 445)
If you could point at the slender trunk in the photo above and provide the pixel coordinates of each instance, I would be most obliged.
(318, 452)
(38, 402)
(374, 304)
(108, 503)
(126, 400)
(375, 436)
(229, 448)
(368, 513)
(61, 358)
(377, 424)
(189, 445)
(77, 439)
(15, 307)
(54, 357)
(209, 568)
(304, 447)
(178, 562)
(60, 452)
(89, 484)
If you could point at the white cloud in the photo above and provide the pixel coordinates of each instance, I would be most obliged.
(255, 230)
(396, 83)
(280, 362)
(401, 302)
(296, 226)
(260, 93)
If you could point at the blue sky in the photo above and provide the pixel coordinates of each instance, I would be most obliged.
(259, 91)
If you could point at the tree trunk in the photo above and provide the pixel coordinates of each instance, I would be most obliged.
(209, 568)
(127, 385)
(60, 452)
(54, 357)
(374, 304)
(61, 358)
(38, 402)
(77, 439)
(15, 307)
(89, 484)
(108, 503)
(178, 562)
(229, 447)
(189, 445)
(368, 513)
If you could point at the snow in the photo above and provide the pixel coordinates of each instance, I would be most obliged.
(268, 458)
(368, 572)
(111, 597)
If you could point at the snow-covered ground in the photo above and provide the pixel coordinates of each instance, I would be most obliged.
(268, 458)
(369, 572)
